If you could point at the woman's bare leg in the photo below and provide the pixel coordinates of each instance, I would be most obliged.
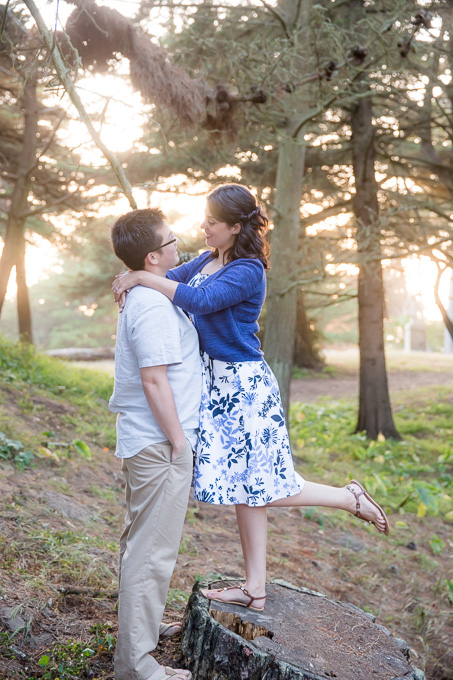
(340, 498)
(252, 525)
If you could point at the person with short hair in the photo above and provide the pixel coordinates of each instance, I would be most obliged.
(243, 455)
(156, 395)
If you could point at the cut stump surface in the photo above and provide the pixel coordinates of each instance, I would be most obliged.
(300, 635)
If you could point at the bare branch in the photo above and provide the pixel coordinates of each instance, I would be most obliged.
(446, 319)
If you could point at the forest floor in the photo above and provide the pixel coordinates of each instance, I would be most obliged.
(62, 512)
(340, 377)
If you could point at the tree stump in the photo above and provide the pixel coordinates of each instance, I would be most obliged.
(300, 635)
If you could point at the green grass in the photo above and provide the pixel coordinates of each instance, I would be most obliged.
(413, 475)
(324, 372)
(59, 412)
(44, 555)
(42, 388)
(20, 362)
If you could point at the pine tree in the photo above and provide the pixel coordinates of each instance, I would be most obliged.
(40, 176)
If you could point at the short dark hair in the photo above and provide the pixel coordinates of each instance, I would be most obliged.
(136, 234)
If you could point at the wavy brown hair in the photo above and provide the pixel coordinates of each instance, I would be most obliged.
(233, 203)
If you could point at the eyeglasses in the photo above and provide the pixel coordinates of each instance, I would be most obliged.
(173, 240)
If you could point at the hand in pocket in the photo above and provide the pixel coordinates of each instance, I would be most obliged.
(176, 452)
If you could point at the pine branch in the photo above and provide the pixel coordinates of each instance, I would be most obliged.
(63, 74)
(279, 18)
(331, 211)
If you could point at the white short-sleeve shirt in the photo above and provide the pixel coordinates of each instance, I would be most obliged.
(152, 331)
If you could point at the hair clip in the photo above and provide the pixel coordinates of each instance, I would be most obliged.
(255, 211)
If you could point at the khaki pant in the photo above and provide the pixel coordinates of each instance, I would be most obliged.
(157, 493)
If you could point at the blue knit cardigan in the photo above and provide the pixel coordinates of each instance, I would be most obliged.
(225, 307)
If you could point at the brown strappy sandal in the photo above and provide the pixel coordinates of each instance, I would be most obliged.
(247, 605)
(357, 513)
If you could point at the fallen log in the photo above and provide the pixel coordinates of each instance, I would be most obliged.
(82, 353)
(300, 635)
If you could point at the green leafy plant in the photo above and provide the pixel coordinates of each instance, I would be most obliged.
(414, 475)
(177, 598)
(82, 448)
(437, 545)
(449, 585)
(11, 449)
(75, 659)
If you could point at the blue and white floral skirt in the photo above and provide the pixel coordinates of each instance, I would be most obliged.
(242, 453)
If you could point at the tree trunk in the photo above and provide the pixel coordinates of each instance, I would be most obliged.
(375, 414)
(282, 306)
(306, 354)
(14, 247)
(23, 301)
(300, 635)
(8, 259)
(281, 315)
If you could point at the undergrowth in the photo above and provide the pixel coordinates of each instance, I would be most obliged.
(40, 550)
(73, 660)
(413, 475)
(48, 391)
(43, 555)
(11, 449)
(20, 362)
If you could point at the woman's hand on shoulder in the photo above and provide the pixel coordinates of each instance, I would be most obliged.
(122, 283)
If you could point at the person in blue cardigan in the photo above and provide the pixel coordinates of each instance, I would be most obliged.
(243, 455)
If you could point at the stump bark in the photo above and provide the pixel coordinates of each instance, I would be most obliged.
(300, 635)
